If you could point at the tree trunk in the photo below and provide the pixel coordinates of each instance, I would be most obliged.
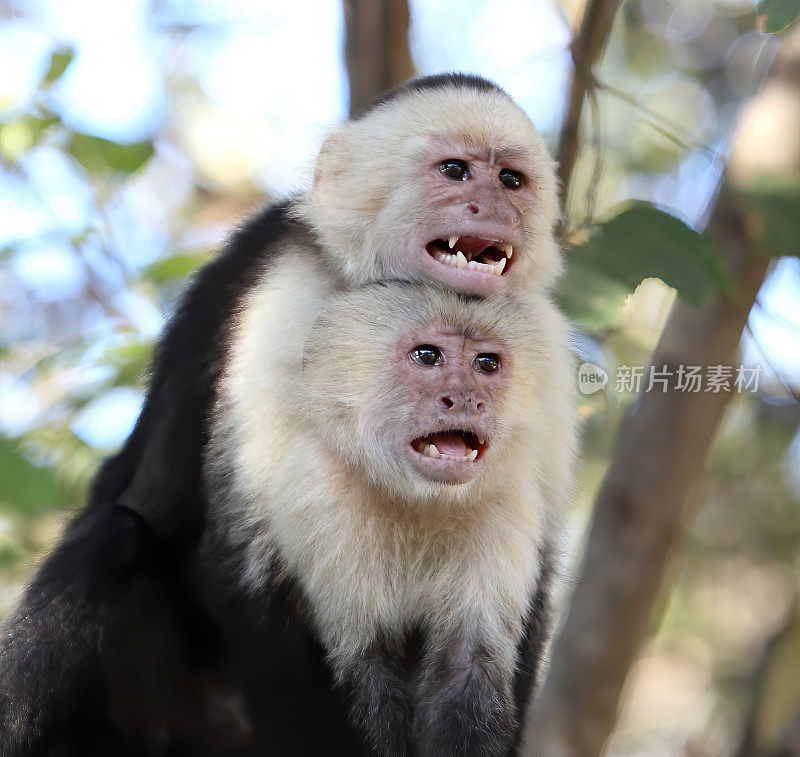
(376, 49)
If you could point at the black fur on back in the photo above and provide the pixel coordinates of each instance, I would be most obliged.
(157, 472)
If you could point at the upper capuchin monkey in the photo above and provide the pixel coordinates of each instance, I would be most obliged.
(443, 181)
(400, 496)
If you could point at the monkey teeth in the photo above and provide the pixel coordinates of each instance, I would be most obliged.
(490, 256)
(430, 451)
(507, 248)
(459, 261)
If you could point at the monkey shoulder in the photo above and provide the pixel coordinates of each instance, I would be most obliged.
(157, 471)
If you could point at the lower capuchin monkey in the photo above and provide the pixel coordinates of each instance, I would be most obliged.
(388, 516)
(373, 576)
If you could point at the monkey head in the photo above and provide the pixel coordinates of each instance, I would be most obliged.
(445, 180)
(424, 394)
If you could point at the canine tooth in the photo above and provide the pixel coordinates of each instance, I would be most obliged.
(508, 249)
(480, 440)
(472, 455)
(498, 267)
(461, 261)
(432, 451)
(452, 241)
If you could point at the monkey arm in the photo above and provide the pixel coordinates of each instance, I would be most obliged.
(98, 656)
(535, 640)
(49, 646)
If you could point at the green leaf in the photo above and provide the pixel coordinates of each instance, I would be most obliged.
(645, 242)
(776, 202)
(59, 61)
(98, 155)
(777, 15)
(591, 299)
(25, 488)
(173, 269)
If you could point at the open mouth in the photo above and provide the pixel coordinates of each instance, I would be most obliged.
(487, 256)
(458, 445)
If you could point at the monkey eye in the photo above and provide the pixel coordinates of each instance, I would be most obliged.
(454, 169)
(426, 354)
(487, 362)
(510, 179)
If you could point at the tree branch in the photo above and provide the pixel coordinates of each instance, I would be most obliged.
(598, 17)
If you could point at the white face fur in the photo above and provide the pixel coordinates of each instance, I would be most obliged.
(450, 185)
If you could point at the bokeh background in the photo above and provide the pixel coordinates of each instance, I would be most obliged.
(135, 134)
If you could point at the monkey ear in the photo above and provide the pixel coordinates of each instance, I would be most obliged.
(331, 161)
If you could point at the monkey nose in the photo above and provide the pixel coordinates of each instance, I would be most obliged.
(468, 403)
(474, 403)
(473, 208)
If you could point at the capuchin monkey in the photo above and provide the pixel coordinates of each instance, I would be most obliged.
(400, 495)
(444, 181)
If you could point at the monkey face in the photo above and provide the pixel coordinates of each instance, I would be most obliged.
(446, 388)
(474, 203)
(426, 394)
(451, 186)
(412, 398)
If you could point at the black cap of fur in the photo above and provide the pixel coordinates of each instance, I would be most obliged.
(436, 81)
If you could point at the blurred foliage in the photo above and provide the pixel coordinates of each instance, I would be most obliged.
(107, 229)
(778, 15)
(99, 155)
(59, 60)
(775, 203)
(26, 488)
(638, 243)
